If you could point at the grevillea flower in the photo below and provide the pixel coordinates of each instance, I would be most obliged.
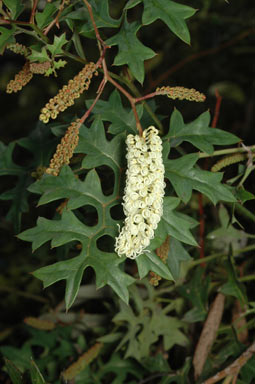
(144, 191)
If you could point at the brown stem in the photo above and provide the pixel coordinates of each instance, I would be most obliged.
(217, 109)
(233, 368)
(32, 16)
(195, 56)
(99, 92)
(148, 96)
(55, 21)
(107, 77)
(99, 39)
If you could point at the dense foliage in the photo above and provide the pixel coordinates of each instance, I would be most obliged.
(182, 310)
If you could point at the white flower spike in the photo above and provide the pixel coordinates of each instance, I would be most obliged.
(144, 192)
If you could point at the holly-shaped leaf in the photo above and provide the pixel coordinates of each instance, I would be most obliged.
(56, 47)
(6, 37)
(131, 51)
(177, 253)
(40, 143)
(19, 196)
(122, 119)
(177, 224)
(69, 228)
(197, 292)
(171, 13)
(149, 261)
(233, 287)
(101, 15)
(184, 177)
(15, 7)
(98, 149)
(45, 17)
(7, 166)
(40, 56)
(198, 133)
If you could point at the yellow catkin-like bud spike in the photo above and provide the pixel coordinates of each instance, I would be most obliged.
(20, 80)
(19, 49)
(66, 96)
(65, 149)
(83, 361)
(45, 325)
(162, 253)
(39, 68)
(228, 160)
(181, 93)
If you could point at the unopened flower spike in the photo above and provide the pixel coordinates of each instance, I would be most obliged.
(144, 192)
(66, 96)
(181, 93)
(65, 149)
(21, 79)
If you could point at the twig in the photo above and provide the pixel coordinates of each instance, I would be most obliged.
(234, 368)
(99, 92)
(217, 109)
(198, 55)
(227, 151)
(32, 16)
(102, 48)
(55, 21)
(222, 255)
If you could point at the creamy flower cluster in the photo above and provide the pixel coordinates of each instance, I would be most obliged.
(144, 191)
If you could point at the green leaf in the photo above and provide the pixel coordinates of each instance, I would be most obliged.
(101, 15)
(7, 166)
(41, 144)
(242, 195)
(14, 373)
(19, 196)
(171, 13)
(131, 51)
(45, 17)
(121, 119)
(177, 253)
(35, 374)
(233, 287)
(176, 224)
(15, 6)
(184, 177)
(20, 357)
(132, 3)
(99, 150)
(198, 133)
(149, 261)
(40, 56)
(56, 47)
(197, 292)
(6, 37)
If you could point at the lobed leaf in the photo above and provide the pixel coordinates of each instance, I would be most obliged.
(198, 133)
(171, 13)
(112, 110)
(184, 177)
(131, 51)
